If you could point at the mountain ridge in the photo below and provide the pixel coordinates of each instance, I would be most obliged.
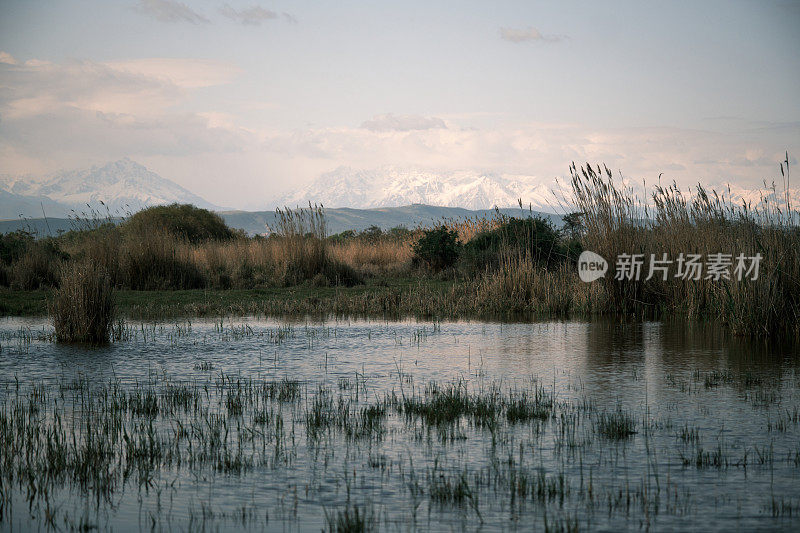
(337, 219)
(119, 187)
(395, 187)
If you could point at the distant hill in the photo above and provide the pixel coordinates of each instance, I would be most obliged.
(345, 218)
(338, 220)
(122, 186)
(13, 206)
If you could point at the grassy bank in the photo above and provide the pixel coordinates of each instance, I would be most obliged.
(373, 298)
(392, 297)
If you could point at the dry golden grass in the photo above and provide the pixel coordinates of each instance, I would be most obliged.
(470, 228)
(379, 258)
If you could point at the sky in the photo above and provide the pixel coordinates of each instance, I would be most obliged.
(241, 102)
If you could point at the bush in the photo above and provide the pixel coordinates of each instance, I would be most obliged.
(438, 248)
(29, 264)
(13, 245)
(180, 220)
(534, 238)
(83, 307)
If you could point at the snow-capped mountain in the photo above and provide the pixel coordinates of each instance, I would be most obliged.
(123, 186)
(392, 187)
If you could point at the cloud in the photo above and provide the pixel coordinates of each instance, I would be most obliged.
(155, 110)
(528, 34)
(253, 16)
(7, 58)
(390, 122)
(170, 11)
(184, 73)
(59, 113)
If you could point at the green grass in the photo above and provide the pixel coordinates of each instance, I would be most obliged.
(378, 297)
(23, 303)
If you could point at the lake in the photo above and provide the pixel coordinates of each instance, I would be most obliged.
(262, 424)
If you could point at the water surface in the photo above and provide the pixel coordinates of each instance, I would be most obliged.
(716, 443)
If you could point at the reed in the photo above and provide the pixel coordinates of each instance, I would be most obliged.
(616, 221)
(83, 306)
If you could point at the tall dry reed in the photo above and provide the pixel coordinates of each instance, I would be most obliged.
(83, 306)
(704, 222)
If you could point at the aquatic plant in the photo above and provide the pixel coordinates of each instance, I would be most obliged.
(83, 305)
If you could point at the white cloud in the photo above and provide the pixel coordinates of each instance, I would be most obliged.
(170, 11)
(77, 110)
(254, 15)
(391, 122)
(528, 34)
(70, 114)
(251, 16)
(184, 73)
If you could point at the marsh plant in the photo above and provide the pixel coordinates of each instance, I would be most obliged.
(83, 305)
(617, 221)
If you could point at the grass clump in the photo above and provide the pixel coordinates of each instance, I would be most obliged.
(617, 425)
(351, 519)
(304, 251)
(83, 306)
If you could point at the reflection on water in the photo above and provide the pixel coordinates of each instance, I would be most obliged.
(717, 444)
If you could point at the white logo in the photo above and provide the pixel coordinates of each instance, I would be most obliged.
(591, 266)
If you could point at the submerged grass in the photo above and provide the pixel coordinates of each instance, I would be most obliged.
(469, 451)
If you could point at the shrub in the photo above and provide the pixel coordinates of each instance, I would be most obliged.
(399, 233)
(438, 248)
(83, 306)
(184, 221)
(13, 245)
(534, 238)
(37, 265)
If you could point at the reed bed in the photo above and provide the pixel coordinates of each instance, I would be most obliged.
(617, 222)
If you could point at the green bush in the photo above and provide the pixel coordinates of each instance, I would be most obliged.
(438, 248)
(180, 220)
(399, 233)
(532, 237)
(27, 263)
(14, 245)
